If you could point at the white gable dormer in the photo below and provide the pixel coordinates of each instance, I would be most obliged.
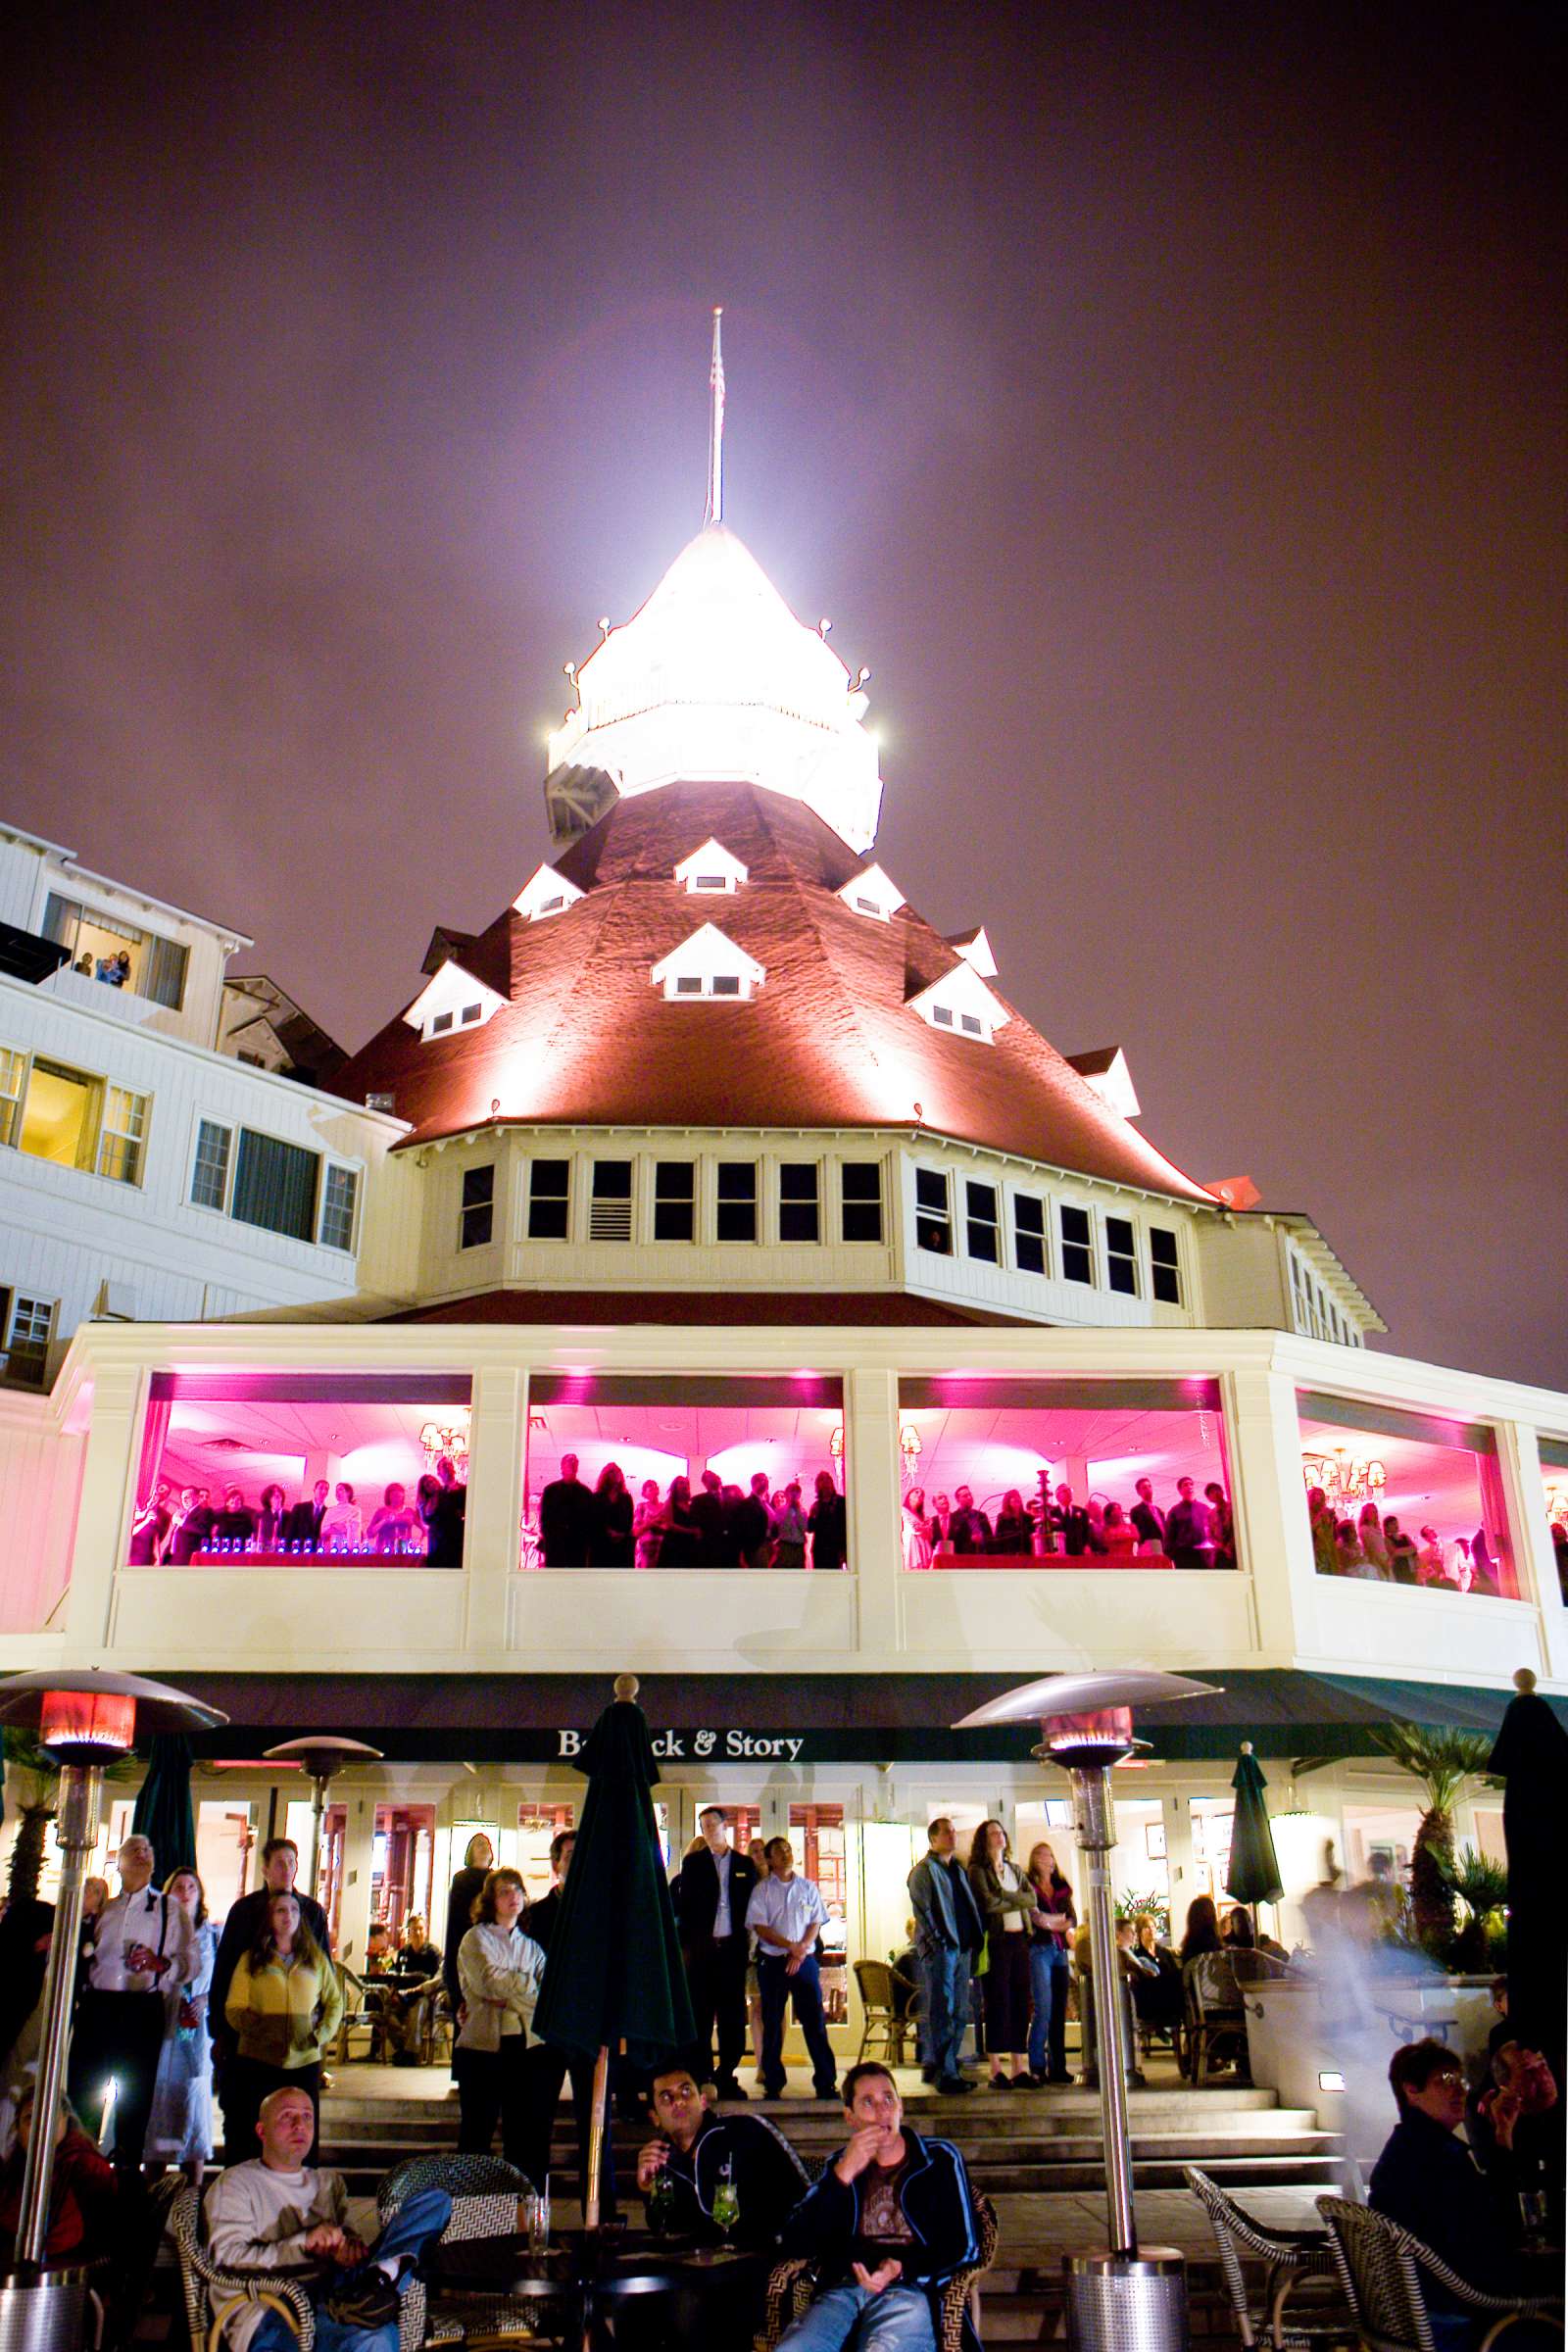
(1105, 1071)
(975, 948)
(708, 964)
(453, 1000)
(960, 1002)
(710, 872)
(872, 893)
(545, 892)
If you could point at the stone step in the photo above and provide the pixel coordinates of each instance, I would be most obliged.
(1174, 2104)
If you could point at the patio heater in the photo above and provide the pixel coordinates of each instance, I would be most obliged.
(1125, 2299)
(322, 1757)
(85, 1721)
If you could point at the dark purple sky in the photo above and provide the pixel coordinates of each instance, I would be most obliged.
(1167, 403)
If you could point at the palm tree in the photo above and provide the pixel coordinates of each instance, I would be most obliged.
(1441, 1761)
(32, 1776)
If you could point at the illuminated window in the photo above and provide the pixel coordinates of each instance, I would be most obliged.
(933, 1212)
(737, 1200)
(548, 1199)
(1121, 1255)
(152, 966)
(862, 1201)
(1028, 1233)
(59, 1116)
(1165, 1266)
(799, 1206)
(1077, 1245)
(477, 1214)
(609, 1206)
(982, 1235)
(675, 1200)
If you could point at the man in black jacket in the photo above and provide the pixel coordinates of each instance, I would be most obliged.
(712, 1891)
(1428, 2183)
(302, 1523)
(565, 1518)
(888, 2223)
(281, 1861)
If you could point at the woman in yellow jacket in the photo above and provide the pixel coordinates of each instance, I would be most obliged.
(284, 2006)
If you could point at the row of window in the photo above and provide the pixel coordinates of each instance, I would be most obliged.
(1114, 1255)
(803, 1211)
(280, 1186)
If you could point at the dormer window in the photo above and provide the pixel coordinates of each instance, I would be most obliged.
(708, 964)
(961, 1001)
(713, 871)
(453, 1000)
(545, 892)
(869, 892)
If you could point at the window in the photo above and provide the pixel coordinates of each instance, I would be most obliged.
(971, 1024)
(209, 1176)
(476, 1215)
(548, 1199)
(726, 984)
(862, 1201)
(737, 1200)
(1077, 1245)
(610, 1210)
(125, 1128)
(152, 966)
(933, 1217)
(941, 1015)
(799, 1210)
(27, 1341)
(1028, 1233)
(1399, 1498)
(13, 1074)
(472, 1014)
(688, 984)
(274, 1186)
(339, 1197)
(1121, 1255)
(980, 1236)
(709, 882)
(440, 1022)
(1164, 1268)
(675, 1200)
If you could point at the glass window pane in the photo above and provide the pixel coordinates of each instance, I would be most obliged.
(1029, 1233)
(1121, 1264)
(120, 1147)
(13, 1071)
(209, 1177)
(798, 1213)
(1164, 1270)
(548, 1199)
(862, 1201)
(27, 1351)
(933, 1224)
(1077, 1245)
(737, 1200)
(61, 1114)
(274, 1186)
(981, 1236)
(675, 1200)
(338, 1201)
(1393, 1498)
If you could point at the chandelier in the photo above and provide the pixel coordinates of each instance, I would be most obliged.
(1343, 1480)
(1557, 1500)
(447, 1440)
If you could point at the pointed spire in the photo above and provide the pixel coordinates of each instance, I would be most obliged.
(716, 429)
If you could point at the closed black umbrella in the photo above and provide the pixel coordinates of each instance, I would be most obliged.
(1253, 1876)
(615, 1972)
(1532, 1756)
(163, 1809)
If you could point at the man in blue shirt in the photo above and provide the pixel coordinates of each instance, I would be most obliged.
(948, 1933)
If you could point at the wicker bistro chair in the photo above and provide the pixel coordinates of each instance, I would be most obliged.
(484, 2193)
(1381, 2267)
(885, 2026)
(212, 2292)
(1216, 2015)
(792, 2284)
(364, 2012)
(1291, 2260)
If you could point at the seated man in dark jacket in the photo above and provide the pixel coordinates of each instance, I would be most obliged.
(890, 2222)
(1428, 2183)
(679, 2173)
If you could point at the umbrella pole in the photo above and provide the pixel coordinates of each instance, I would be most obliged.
(596, 2136)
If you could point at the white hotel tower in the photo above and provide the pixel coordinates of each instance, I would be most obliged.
(710, 1152)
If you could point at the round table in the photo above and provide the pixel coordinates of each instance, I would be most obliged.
(590, 2268)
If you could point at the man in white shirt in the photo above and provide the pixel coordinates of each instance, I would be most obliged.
(278, 2213)
(787, 1913)
(144, 1943)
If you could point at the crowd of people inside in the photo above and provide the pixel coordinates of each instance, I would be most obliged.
(719, 1525)
(1195, 1531)
(185, 1526)
(1374, 1547)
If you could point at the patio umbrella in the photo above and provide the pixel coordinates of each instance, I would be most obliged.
(1253, 1876)
(162, 1810)
(615, 1972)
(1532, 1756)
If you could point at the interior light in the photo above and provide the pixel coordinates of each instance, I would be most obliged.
(1331, 2079)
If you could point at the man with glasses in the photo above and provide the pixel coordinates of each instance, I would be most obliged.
(1428, 2181)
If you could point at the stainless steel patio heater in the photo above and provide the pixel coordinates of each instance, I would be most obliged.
(1125, 2299)
(85, 1721)
(322, 1755)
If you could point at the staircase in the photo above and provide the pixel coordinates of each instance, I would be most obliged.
(1036, 2153)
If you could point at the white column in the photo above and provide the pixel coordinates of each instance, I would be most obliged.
(497, 1428)
(1263, 1448)
(107, 1482)
(359, 1828)
(1175, 1811)
(875, 1498)
(1530, 1539)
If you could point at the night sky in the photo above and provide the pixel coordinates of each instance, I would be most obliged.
(1168, 403)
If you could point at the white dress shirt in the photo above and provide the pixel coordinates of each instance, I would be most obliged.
(150, 1918)
(722, 1923)
(789, 1906)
